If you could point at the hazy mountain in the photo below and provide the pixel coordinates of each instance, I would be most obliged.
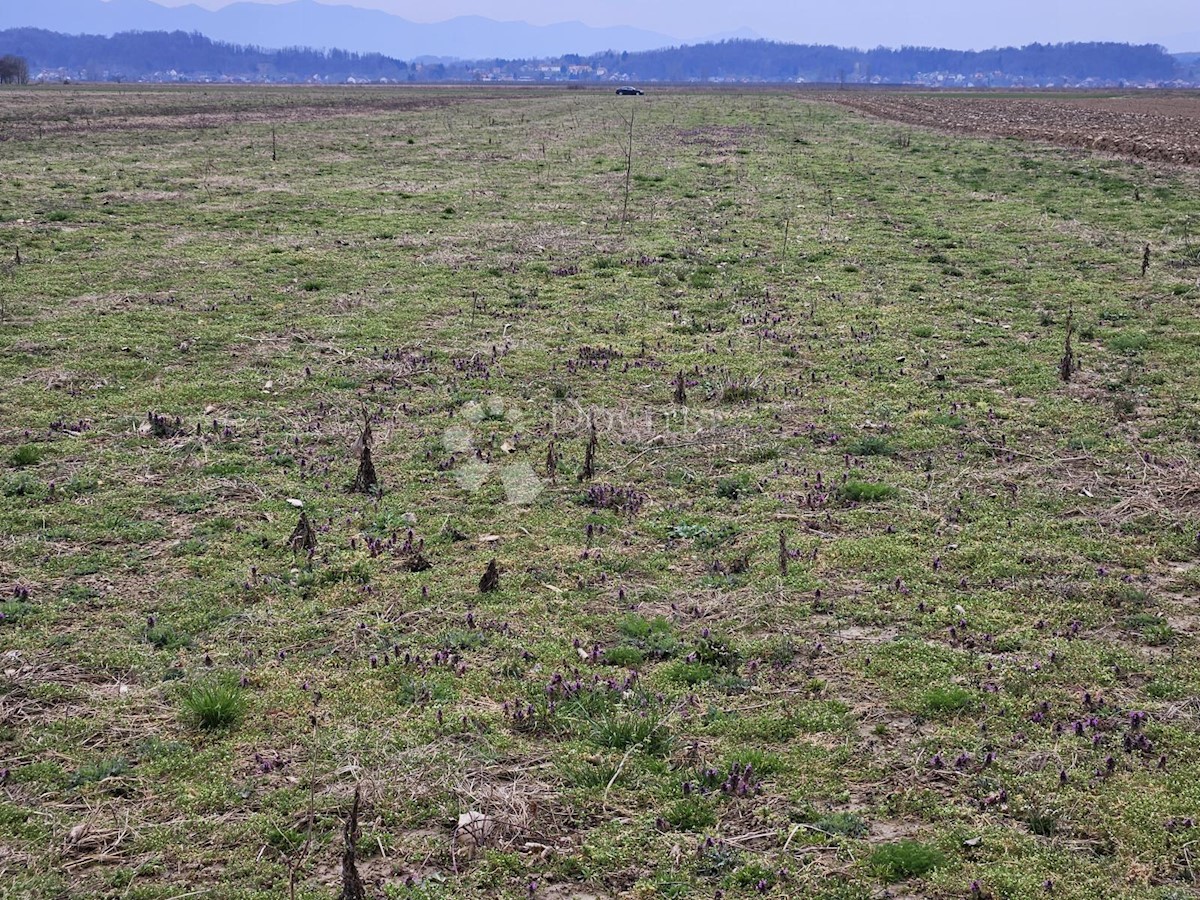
(1184, 42)
(304, 23)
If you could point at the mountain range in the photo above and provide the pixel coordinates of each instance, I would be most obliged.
(305, 23)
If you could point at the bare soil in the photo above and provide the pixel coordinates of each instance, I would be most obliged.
(1159, 126)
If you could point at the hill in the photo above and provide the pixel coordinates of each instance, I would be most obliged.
(177, 55)
(1042, 64)
(305, 23)
(164, 56)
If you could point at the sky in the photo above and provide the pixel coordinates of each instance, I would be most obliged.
(962, 24)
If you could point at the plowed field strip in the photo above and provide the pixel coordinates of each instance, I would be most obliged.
(1162, 127)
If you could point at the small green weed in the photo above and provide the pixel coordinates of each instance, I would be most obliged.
(717, 858)
(866, 492)
(167, 637)
(740, 392)
(426, 691)
(22, 485)
(12, 610)
(1129, 343)
(686, 673)
(100, 770)
(754, 876)
(25, 455)
(1154, 629)
(846, 824)
(625, 655)
(620, 729)
(1043, 823)
(946, 700)
(213, 704)
(461, 639)
(905, 859)
(759, 761)
(872, 445)
(718, 652)
(691, 814)
(733, 487)
(655, 638)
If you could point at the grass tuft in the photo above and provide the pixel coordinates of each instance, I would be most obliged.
(867, 492)
(213, 704)
(905, 859)
(946, 700)
(25, 455)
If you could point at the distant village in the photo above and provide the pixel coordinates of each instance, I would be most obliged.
(543, 72)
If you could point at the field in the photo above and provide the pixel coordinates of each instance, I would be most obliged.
(840, 480)
(1156, 125)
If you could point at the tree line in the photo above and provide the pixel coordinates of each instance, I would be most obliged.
(147, 55)
(13, 69)
(141, 54)
(771, 61)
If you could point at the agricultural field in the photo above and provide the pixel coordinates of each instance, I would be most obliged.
(1158, 126)
(759, 499)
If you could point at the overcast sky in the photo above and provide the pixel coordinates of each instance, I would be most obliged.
(866, 23)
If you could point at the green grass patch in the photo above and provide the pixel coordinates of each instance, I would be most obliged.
(25, 455)
(867, 492)
(212, 704)
(905, 859)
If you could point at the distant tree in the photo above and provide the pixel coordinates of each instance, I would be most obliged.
(14, 70)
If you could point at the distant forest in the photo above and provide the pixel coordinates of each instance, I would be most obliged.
(766, 61)
(138, 56)
(134, 55)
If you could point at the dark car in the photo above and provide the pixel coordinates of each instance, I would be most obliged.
(630, 92)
